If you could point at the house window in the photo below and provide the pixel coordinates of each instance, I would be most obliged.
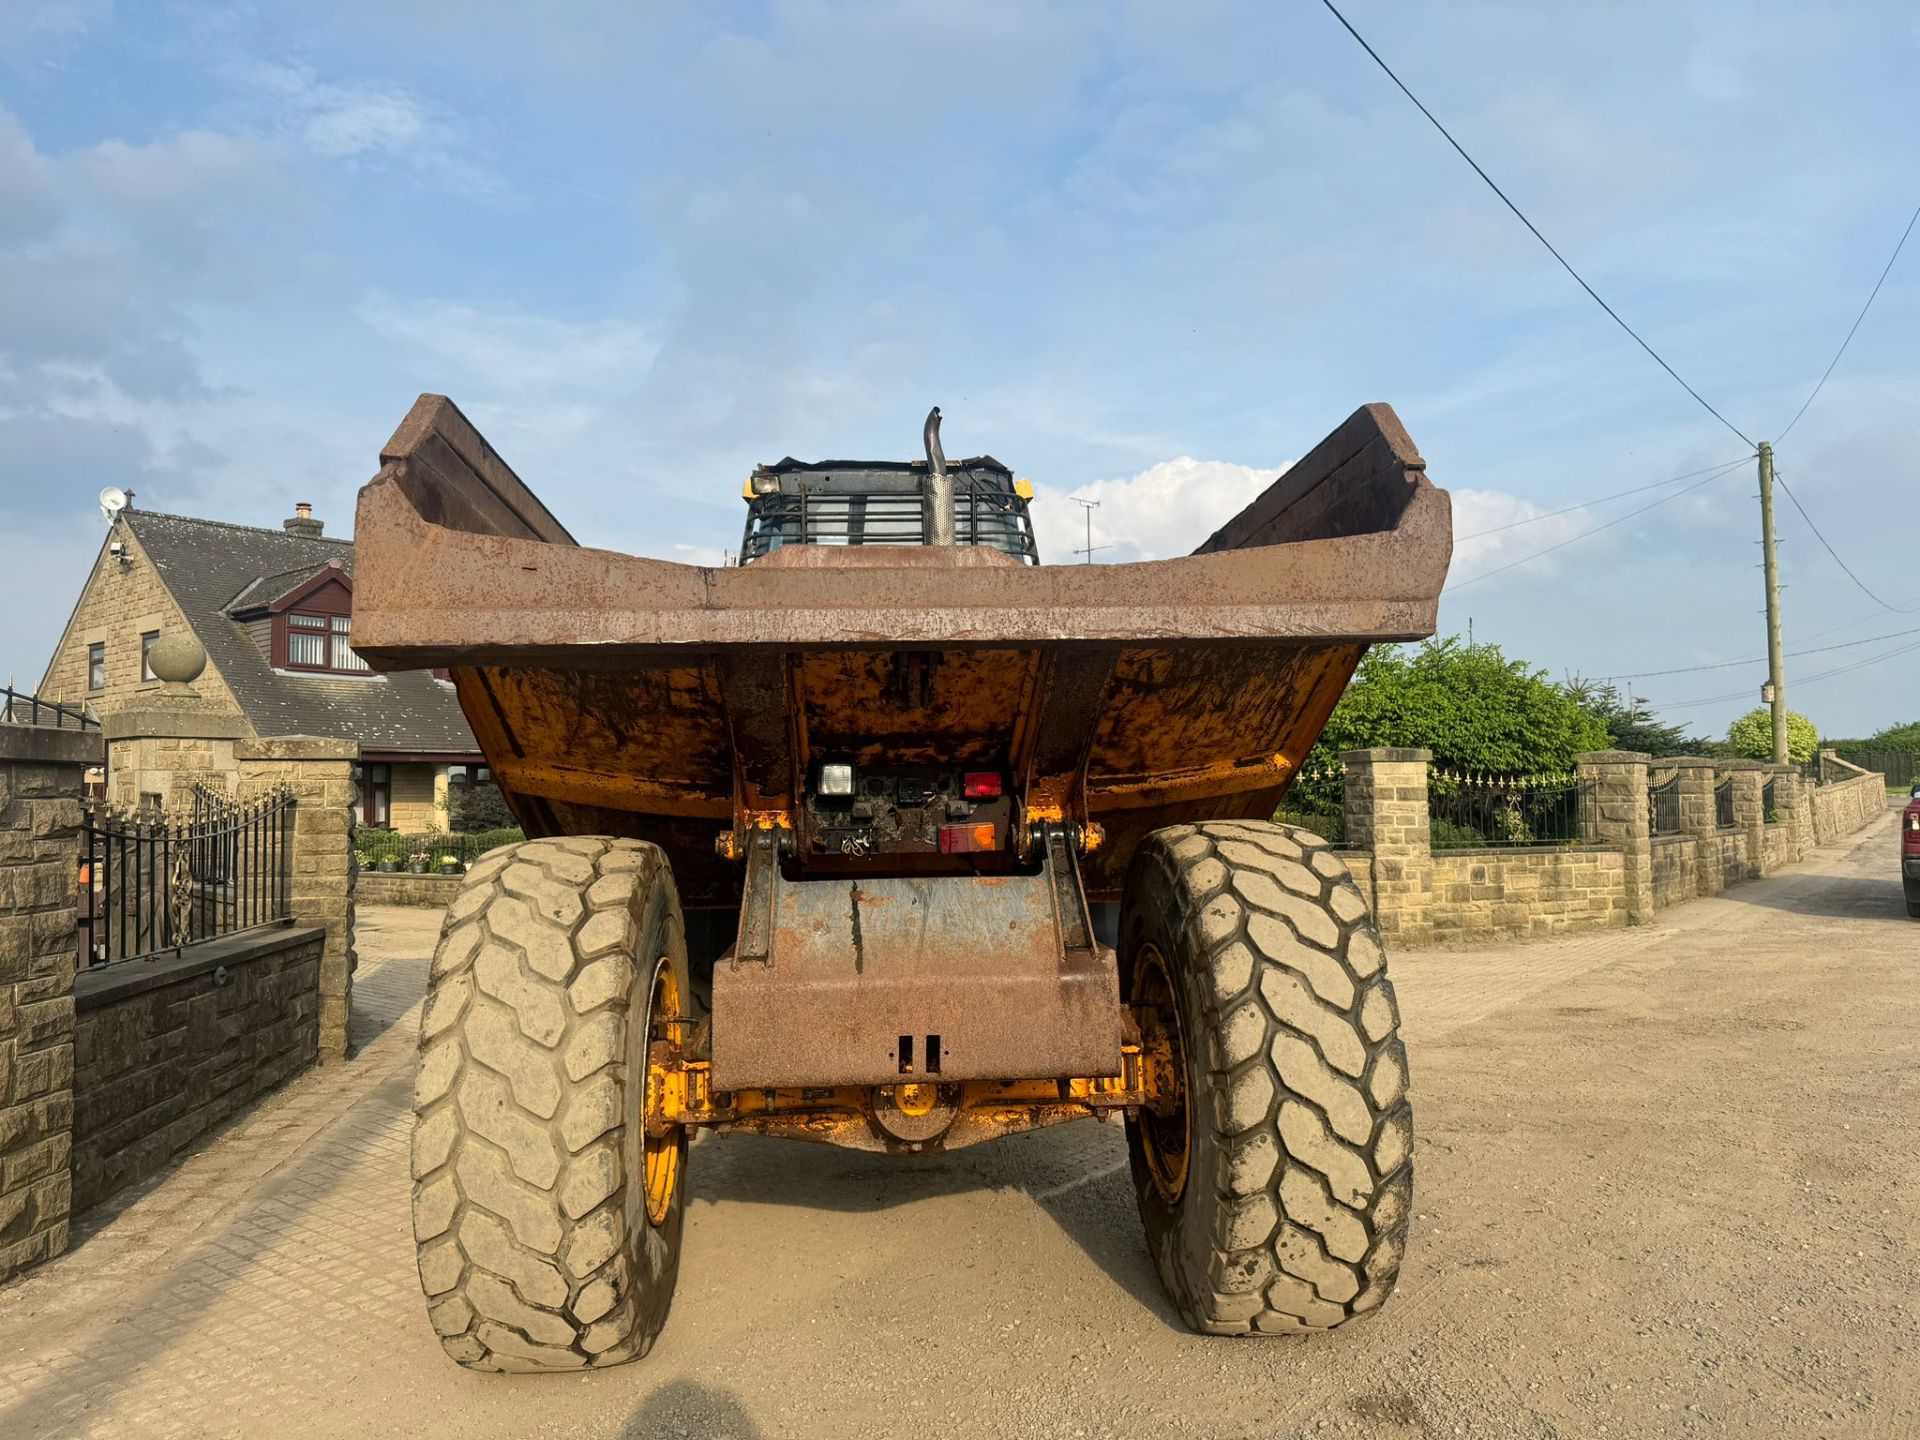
(146, 655)
(97, 666)
(465, 777)
(376, 795)
(319, 642)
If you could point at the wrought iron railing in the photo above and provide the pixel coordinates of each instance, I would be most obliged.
(1316, 801)
(152, 883)
(1471, 809)
(1766, 803)
(1723, 804)
(432, 853)
(19, 708)
(1663, 806)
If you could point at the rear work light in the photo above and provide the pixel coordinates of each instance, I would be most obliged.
(967, 839)
(836, 779)
(982, 785)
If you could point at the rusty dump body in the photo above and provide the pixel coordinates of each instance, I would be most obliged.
(694, 707)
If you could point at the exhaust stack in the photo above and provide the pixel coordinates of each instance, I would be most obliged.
(939, 484)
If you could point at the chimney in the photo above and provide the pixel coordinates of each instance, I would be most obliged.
(303, 522)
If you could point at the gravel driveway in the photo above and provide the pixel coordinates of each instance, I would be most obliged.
(1666, 1185)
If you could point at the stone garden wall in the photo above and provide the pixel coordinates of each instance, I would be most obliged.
(166, 1050)
(41, 774)
(1616, 873)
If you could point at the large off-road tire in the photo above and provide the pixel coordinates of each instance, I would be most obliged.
(548, 1223)
(1275, 1184)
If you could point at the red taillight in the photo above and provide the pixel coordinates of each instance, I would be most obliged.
(982, 785)
(967, 839)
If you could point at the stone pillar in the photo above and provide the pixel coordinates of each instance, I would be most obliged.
(165, 743)
(1387, 814)
(1613, 811)
(320, 774)
(1791, 802)
(1697, 780)
(42, 776)
(1749, 809)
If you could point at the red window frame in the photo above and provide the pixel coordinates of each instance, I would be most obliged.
(334, 635)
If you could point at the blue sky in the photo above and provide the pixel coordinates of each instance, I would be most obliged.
(1146, 254)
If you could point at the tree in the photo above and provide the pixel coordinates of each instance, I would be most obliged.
(1752, 735)
(1897, 737)
(479, 807)
(1468, 703)
(1631, 726)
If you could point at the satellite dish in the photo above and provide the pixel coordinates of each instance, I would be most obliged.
(112, 501)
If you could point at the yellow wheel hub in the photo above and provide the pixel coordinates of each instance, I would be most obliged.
(1166, 1120)
(660, 1154)
(916, 1099)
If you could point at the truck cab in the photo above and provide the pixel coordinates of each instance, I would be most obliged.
(883, 502)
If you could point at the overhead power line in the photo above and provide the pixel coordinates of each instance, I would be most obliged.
(1761, 660)
(1521, 216)
(1596, 529)
(1849, 624)
(1705, 700)
(1894, 609)
(1901, 245)
(1601, 500)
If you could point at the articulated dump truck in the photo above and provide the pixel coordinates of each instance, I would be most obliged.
(891, 836)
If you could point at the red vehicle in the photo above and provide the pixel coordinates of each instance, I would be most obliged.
(1910, 853)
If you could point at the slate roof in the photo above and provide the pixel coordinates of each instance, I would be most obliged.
(214, 568)
(263, 590)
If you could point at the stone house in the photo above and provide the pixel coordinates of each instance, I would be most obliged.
(273, 610)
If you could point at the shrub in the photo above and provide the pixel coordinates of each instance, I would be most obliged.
(479, 808)
(1752, 736)
(1468, 703)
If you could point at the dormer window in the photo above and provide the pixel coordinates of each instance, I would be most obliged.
(302, 620)
(319, 642)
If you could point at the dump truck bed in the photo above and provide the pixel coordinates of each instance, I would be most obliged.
(615, 694)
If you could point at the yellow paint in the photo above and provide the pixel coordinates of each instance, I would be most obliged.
(1023, 487)
(679, 1093)
(661, 1153)
(916, 1098)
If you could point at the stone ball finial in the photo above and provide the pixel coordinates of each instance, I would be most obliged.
(177, 659)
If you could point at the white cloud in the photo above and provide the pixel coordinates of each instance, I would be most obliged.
(1490, 529)
(1165, 510)
(1170, 508)
(354, 124)
(712, 556)
(364, 123)
(514, 355)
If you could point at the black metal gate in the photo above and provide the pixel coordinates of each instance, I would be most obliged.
(152, 882)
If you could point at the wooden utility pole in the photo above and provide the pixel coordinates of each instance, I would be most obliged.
(1776, 673)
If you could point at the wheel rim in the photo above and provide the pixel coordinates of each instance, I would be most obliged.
(660, 1157)
(1166, 1122)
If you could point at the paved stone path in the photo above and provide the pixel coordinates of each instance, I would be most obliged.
(1665, 1186)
